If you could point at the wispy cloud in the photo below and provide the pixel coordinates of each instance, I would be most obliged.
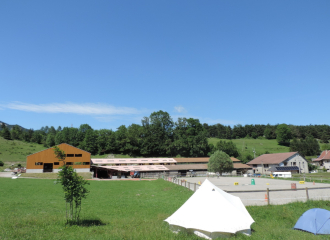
(75, 108)
(180, 109)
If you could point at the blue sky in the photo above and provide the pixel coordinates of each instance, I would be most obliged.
(108, 63)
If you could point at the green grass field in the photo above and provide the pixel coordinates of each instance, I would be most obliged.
(16, 151)
(35, 209)
(246, 146)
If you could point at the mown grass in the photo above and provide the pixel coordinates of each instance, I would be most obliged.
(16, 151)
(246, 145)
(35, 209)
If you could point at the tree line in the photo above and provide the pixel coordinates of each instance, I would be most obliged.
(158, 135)
(268, 131)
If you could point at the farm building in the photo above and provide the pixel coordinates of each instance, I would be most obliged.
(279, 162)
(323, 160)
(118, 167)
(45, 161)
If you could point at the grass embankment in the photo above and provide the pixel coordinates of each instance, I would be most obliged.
(246, 145)
(35, 209)
(13, 152)
(16, 151)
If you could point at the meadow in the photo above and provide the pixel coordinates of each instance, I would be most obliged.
(16, 150)
(35, 209)
(247, 145)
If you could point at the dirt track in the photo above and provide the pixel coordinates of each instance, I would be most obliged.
(6, 174)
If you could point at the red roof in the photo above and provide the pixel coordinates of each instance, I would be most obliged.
(324, 155)
(241, 166)
(274, 158)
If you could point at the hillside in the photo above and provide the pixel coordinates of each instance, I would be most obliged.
(16, 151)
(247, 145)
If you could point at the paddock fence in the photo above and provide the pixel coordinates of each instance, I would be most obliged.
(267, 196)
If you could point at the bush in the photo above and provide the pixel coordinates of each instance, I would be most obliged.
(1, 164)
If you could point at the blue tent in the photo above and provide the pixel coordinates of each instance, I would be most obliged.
(315, 220)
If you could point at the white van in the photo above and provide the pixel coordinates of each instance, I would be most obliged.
(282, 174)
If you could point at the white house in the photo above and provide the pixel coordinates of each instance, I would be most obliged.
(279, 162)
(323, 160)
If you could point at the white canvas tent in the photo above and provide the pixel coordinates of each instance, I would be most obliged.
(211, 213)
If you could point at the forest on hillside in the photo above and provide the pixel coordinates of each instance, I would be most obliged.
(158, 135)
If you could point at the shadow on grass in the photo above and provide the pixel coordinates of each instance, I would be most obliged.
(87, 223)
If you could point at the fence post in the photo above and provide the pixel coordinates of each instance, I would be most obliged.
(189, 185)
(307, 194)
(268, 196)
(185, 183)
(194, 187)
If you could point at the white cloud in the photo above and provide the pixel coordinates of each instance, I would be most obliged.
(85, 108)
(180, 109)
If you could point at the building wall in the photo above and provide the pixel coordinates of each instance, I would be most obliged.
(326, 164)
(79, 160)
(34, 170)
(295, 160)
(299, 161)
(263, 168)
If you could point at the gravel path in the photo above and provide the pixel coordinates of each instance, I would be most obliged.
(261, 184)
(6, 174)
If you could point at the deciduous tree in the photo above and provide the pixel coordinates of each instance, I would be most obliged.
(73, 186)
(220, 162)
(283, 134)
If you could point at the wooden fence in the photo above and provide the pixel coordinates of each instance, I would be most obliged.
(194, 187)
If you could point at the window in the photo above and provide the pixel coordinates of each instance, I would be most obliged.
(77, 163)
(78, 155)
(85, 163)
(56, 163)
(285, 163)
(294, 163)
(255, 165)
(266, 165)
(69, 163)
(38, 163)
(70, 155)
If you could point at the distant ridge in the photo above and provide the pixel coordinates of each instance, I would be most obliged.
(9, 126)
